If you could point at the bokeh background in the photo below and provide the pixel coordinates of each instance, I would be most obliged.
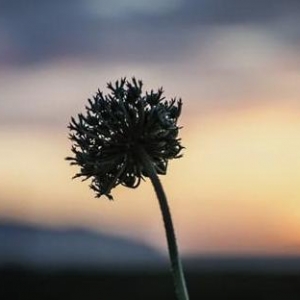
(235, 64)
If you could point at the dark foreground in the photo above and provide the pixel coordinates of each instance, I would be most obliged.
(18, 284)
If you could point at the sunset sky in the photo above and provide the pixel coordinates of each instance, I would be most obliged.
(236, 66)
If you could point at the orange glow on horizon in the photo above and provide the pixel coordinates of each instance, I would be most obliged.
(235, 190)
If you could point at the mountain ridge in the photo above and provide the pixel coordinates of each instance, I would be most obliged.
(75, 247)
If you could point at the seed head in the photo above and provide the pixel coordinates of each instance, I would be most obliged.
(107, 138)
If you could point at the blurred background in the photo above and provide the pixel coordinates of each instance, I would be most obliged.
(235, 192)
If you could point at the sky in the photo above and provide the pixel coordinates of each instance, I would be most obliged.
(236, 66)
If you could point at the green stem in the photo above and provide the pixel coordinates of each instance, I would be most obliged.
(176, 266)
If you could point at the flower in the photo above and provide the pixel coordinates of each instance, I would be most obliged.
(108, 137)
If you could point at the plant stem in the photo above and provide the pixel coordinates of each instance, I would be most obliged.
(176, 266)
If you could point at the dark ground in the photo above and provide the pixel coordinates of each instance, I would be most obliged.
(23, 284)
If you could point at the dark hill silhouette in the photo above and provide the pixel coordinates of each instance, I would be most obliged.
(33, 246)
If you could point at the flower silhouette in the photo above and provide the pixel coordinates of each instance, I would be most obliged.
(109, 137)
(125, 136)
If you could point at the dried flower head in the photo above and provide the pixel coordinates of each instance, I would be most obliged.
(108, 138)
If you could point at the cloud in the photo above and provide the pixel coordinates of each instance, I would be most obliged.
(38, 31)
(124, 9)
(215, 54)
(235, 11)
